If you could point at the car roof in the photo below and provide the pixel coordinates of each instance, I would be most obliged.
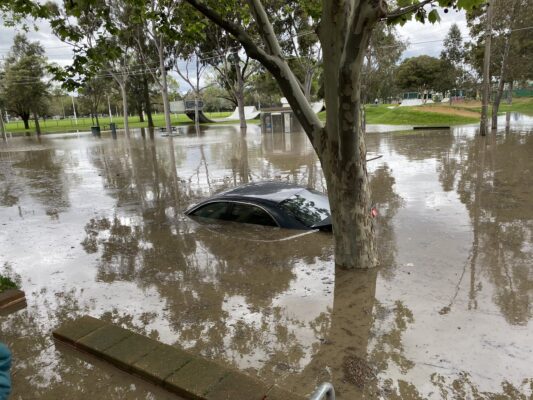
(271, 191)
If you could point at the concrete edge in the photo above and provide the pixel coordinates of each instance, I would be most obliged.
(178, 371)
(11, 297)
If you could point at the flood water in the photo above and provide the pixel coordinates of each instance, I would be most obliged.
(95, 226)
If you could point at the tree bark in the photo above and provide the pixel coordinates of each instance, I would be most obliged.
(147, 102)
(485, 95)
(510, 93)
(308, 82)
(26, 120)
(125, 107)
(37, 126)
(239, 93)
(164, 85)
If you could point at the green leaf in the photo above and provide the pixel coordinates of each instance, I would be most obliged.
(433, 16)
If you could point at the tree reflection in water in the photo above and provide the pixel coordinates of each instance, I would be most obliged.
(242, 295)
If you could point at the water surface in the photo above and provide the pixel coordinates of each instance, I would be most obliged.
(96, 226)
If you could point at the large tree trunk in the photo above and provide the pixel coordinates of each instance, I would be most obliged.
(147, 102)
(239, 93)
(26, 120)
(349, 198)
(485, 95)
(344, 156)
(37, 125)
(308, 82)
(510, 92)
(164, 86)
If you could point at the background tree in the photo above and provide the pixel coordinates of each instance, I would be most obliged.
(379, 72)
(222, 52)
(511, 45)
(299, 41)
(453, 55)
(91, 97)
(423, 73)
(23, 87)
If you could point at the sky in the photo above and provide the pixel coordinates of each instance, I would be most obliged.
(422, 38)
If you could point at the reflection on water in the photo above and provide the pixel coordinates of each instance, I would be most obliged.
(96, 226)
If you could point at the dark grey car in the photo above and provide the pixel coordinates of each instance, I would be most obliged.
(268, 203)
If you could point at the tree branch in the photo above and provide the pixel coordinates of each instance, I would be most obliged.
(276, 65)
(265, 28)
(406, 10)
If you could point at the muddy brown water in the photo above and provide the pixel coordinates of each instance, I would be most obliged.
(95, 226)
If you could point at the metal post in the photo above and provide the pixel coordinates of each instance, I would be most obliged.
(325, 389)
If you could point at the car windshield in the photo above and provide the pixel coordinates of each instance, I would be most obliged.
(308, 206)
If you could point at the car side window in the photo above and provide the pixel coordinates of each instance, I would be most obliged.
(216, 210)
(249, 214)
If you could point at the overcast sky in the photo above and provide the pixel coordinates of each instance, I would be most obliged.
(412, 32)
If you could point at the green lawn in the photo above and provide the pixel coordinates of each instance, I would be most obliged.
(84, 124)
(374, 115)
(523, 105)
(408, 116)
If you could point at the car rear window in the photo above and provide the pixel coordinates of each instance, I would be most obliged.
(308, 206)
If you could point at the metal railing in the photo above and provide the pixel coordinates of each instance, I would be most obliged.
(325, 390)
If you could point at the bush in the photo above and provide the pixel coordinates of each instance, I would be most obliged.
(6, 283)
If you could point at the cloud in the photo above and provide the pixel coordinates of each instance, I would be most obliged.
(57, 51)
(431, 34)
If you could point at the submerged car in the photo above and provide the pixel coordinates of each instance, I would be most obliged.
(268, 203)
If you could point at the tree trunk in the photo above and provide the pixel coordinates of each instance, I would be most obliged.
(196, 114)
(125, 107)
(343, 157)
(140, 112)
(37, 126)
(147, 102)
(164, 86)
(96, 117)
(308, 82)
(349, 198)
(2, 126)
(510, 92)
(26, 120)
(485, 96)
(239, 93)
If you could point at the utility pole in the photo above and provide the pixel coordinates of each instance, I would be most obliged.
(485, 94)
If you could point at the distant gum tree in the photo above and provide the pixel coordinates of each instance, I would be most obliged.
(344, 29)
(23, 85)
